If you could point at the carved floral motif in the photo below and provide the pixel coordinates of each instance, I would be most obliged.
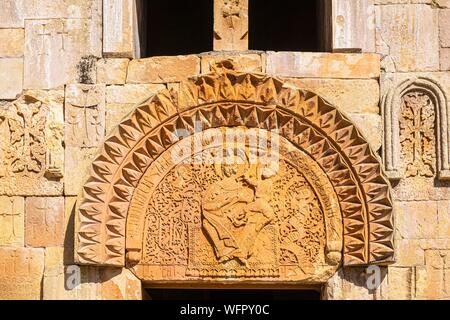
(417, 134)
(31, 145)
(27, 152)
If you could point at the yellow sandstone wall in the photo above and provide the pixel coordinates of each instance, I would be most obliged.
(53, 72)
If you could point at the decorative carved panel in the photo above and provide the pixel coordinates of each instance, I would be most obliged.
(417, 138)
(30, 145)
(328, 201)
(230, 25)
(85, 115)
(416, 131)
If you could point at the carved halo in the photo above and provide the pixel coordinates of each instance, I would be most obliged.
(232, 99)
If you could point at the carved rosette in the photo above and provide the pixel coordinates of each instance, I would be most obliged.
(302, 119)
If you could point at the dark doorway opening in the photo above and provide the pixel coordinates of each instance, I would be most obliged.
(232, 295)
(167, 28)
(288, 25)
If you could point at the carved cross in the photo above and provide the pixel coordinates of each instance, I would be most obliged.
(230, 24)
(63, 33)
(44, 35)
(10, 212)
(417, 133)
(27, 136)
(89, 118)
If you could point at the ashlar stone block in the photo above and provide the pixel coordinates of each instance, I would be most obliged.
(44, 222)
(12, 221)
(21, 271)
(408, 37)
(55, 50)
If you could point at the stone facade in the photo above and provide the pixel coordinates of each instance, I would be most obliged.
(73, 81)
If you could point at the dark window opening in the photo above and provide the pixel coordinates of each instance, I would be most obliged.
(167, 29)
(232, 295)
(288, 25)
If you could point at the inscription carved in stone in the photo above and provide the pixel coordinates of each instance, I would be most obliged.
(417, 134)
(255, 215)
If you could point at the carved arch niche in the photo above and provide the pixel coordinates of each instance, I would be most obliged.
(416, 130)
(293, 209)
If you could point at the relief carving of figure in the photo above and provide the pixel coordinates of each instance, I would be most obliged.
(236, 209)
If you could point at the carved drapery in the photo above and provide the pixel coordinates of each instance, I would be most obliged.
(416, 132)
(116, 190)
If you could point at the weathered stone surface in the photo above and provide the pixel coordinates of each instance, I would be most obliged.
(444, 27)
(230, 25)
(240, 62)
(359, 99)
(14, 12)
(12, 216)
(349, 284)
(31, 161)
(44, 222)
(112, 71)
(409, 253)
(11, 71)
(77, 166)
(371, 127)
(353, 26)
(400, 283)
(445, 59)
(84, 115)
(131, 93)
(431, 280)
(121, 100)
(68, 282)
(442, 3)
(416, 220)
(115, 113)
(444, 219)
(323, 65)
(351, 96)
(56, 51)
(120, 284)
(21, 271)
(119, 32)
(12, 41)
(163, 69)
(408, 37)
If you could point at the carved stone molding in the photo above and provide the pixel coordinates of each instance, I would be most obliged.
(431, 118)
(303, 120)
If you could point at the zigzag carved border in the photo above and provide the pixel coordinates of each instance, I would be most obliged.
(236, 99)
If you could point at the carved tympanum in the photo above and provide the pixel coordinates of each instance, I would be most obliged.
(322, 201)
(248, 215)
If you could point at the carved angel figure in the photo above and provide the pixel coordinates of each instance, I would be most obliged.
(235, 210)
